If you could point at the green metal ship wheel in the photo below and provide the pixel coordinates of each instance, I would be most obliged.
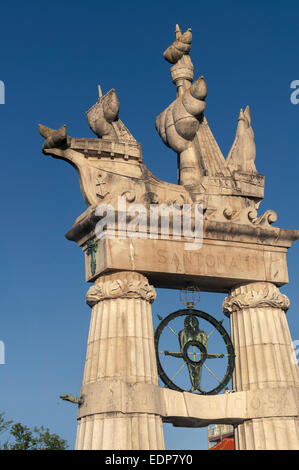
(192, 354)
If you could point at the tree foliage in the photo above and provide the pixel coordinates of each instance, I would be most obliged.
(21, 437)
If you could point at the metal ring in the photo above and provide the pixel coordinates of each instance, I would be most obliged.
(225, 336)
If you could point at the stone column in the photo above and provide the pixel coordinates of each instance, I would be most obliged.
(264, 352)
(120, 356)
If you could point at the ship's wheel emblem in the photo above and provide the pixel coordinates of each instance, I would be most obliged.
(191, 352)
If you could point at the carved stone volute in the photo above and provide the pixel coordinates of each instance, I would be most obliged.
(125, 284)
(255, 295)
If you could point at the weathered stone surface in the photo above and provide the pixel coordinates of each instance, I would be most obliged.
(120, 370)
(239, 251)
(216, 265)
(258, 295)
(242, 154)
(125, 285)
(118, 396)
(187, 409)
(264, 365)
(268, 434)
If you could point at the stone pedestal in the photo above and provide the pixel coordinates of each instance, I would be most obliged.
(120, 355)
(264, 353)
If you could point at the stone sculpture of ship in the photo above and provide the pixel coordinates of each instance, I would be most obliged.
(111, 164)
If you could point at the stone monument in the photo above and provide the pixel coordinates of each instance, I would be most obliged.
(240, 253)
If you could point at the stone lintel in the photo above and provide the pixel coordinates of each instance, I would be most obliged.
(217, 266)
(187, 409)
(231, 254)
(191, 410)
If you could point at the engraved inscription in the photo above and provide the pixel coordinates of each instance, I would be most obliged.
(220, 263)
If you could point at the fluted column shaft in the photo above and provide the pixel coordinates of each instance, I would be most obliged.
(264, 352)
(120, 350)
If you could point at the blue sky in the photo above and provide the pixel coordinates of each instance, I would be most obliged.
(53, 55)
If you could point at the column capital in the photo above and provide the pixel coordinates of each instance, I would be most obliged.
(255, 295)
(124, 284)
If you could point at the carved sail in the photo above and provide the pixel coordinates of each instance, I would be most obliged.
(177, 125)
(182, 125)
(101, 115)
(242, 154)
(103, 119)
